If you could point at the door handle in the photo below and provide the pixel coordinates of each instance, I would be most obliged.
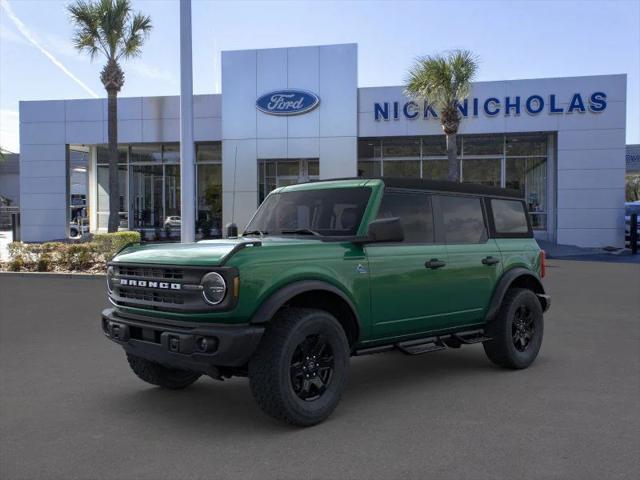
(490, 260)
(434, 263)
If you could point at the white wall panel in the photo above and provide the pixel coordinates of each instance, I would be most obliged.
(245, 206)
(207, 129)
(271, 74)
(161, 130)
(592, 159)
(30, 185)
(304, 148)
(160, 107)
(590, 139)
(589, 179)
(590, 198)
(239, 165)
(42, 111)
(39, 233)
(45, 168)
(86, 110)
(303, 73)
(207, 106)
(338, 157)
(240, 93)
(42, 133)
(591, 237)
(85, 132)
(339, 90)
(591, 218)
(42, 153)
(129, 131)
(272, 148)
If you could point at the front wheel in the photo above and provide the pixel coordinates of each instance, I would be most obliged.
(299, 371)
(516, 332)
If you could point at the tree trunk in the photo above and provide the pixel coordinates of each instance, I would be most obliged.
(452, 158)
(114, 190)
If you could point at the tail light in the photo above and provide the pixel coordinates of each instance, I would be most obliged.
(543, 264)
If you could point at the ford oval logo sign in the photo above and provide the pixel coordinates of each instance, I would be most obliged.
(287, 102)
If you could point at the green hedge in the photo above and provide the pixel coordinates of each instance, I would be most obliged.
(89, 256)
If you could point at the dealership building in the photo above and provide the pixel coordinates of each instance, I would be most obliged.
(289, 115)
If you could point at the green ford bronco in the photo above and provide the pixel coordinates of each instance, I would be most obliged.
(326, 270)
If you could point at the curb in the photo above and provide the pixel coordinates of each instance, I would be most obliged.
(75, 276)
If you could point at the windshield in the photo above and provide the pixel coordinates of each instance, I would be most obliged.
(325, 212)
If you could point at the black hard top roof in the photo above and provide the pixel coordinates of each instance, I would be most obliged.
(443, 186)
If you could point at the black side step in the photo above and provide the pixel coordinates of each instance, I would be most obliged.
(417, 347)
(428, 344)
(469, 338)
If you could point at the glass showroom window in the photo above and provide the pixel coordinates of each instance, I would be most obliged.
(514, 161)
(274, 173)
(209, 192)
(102, 189)
(526, 169)
(401, 157)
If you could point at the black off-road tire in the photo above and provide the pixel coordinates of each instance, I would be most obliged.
(506, 347)
(273, 368)
(156, 374)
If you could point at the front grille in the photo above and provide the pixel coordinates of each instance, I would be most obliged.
(170, 298)
(152, 295)
(150, 272)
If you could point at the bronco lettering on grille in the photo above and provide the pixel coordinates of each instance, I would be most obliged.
(149, 284)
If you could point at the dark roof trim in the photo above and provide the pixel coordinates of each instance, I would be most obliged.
(443, 186)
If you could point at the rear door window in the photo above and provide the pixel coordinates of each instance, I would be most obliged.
(414, 211)
(509, 216)
(462, 219)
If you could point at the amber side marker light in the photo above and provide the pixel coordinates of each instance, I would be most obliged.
(543, 263)
(236, 287)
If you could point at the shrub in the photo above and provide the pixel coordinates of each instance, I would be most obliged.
(108, 244)
(16, 263)
(58, 256)
(44, 263)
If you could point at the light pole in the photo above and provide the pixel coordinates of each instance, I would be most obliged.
(187, 147)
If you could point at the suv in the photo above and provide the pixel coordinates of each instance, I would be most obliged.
(326, 270)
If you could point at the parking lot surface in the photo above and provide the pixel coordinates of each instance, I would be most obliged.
(70, 408)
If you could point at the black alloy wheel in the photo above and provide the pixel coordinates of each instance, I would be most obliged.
(311, 368)
(522, 328)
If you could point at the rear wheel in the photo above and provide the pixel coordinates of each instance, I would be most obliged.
(156, 374)
(299, 371)
(516, 332)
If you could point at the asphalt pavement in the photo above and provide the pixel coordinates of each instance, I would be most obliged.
(71, 409)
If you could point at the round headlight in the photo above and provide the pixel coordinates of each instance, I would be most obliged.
(110, 274)
(214, 288)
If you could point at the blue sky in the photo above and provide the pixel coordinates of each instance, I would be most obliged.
(513, 40)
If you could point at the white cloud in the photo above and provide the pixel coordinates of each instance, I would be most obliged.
(151, 72)
(31, 37)
(9, 130)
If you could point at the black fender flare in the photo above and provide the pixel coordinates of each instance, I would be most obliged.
(276, 300)
(505, 282)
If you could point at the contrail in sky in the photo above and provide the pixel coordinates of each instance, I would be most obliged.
(31, 38)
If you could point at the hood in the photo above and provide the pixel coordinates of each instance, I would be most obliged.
(204, 253)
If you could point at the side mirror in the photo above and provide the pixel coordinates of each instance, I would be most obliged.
(232, 230)
(385, 230)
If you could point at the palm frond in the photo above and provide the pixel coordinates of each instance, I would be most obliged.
(442, 80)
(139, 28)
(109, 27)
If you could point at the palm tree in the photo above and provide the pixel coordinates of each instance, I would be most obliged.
(112, 29)
(444, 81)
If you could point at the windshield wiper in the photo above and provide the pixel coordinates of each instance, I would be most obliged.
(301, 231)
(254, 232)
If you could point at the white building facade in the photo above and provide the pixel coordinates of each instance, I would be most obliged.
(296, 114)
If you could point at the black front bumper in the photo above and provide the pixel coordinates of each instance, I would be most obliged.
(180, 345)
